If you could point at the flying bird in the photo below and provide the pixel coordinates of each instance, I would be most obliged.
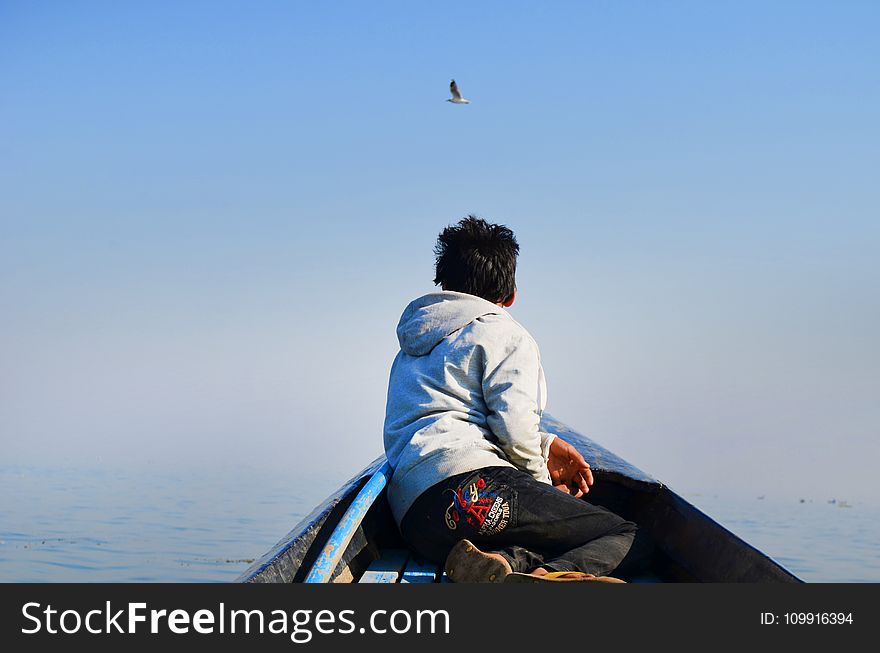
(456, 95)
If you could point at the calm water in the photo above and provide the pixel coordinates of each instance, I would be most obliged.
(818, 541)
(106, 526)
(100, 525)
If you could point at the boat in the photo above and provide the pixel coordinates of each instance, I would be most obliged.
(352, 537)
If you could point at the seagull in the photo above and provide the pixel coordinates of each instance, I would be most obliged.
(456, 96)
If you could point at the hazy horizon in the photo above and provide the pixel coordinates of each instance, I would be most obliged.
(212, 216)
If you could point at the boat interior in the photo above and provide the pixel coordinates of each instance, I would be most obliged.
(379, 555)
(676, 542)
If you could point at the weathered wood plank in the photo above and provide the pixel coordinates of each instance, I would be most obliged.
(420, 571)
(386, 569)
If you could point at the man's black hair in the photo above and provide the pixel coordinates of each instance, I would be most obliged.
(477, 258)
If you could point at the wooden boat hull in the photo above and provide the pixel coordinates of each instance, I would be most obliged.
(676, 542)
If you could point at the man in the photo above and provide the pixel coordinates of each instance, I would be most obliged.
(475, 482)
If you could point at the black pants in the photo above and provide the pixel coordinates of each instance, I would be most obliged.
(504, 510)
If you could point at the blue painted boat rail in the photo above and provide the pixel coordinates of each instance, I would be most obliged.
(334, 549)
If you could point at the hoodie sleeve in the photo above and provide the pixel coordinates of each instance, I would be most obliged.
(511, 391)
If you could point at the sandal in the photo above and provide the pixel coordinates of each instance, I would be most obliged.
(560, 577)
(467, 564)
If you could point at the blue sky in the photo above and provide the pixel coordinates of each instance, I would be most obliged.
(212, 215)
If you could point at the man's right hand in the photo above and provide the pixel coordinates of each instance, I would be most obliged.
(569, 472)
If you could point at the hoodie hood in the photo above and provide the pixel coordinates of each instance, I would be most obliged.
(432, 317)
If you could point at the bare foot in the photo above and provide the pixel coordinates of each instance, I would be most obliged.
(540, 571)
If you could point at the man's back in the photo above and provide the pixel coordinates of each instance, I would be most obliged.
(465, 392)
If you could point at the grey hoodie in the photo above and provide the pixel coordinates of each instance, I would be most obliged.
(466, 391)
